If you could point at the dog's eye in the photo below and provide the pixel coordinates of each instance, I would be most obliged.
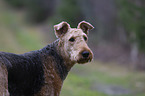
(85, 38)
(72, 39)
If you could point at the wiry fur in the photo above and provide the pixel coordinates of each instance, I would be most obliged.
(42, 72)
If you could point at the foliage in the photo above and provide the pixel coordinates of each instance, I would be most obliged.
(132, 16)
(16, 3)
(70, 11)
(38, 10)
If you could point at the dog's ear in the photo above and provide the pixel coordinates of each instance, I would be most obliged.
(61, 28)
(85, 26)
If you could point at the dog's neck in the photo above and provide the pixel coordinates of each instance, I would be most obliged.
(62, 64)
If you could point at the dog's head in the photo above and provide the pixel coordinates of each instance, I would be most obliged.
(73, 41)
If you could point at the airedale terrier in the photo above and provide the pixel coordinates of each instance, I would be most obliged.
(42, 72)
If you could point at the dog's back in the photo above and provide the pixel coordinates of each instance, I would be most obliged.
(25, 72)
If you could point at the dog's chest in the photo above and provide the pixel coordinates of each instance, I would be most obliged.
(52, 83)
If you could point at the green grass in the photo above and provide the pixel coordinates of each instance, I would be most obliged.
(83, 79)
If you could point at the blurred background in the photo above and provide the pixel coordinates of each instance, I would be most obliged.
(118, 40)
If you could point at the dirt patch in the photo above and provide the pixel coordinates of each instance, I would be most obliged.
(112, 90)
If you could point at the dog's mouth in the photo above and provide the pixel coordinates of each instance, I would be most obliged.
(83, 60)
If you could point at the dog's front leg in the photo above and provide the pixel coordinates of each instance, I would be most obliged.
(3, 80)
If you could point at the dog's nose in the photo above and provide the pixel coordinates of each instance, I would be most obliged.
(85, 54)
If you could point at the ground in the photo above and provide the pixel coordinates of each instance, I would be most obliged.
(103, 79)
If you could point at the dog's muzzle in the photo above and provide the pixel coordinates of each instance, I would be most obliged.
(85, 56)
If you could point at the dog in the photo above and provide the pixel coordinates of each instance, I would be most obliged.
(42, 72)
